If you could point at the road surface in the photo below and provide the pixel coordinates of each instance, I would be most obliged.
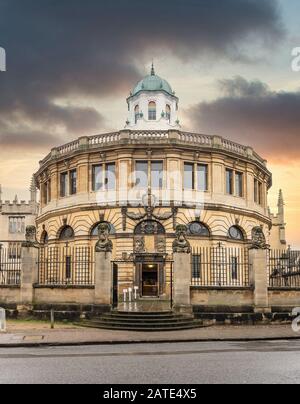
(177, 363)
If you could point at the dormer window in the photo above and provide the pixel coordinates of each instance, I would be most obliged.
(168, 113)
(136, 113)
(152, 111)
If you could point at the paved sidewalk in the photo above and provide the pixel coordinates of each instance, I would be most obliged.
(41, 335)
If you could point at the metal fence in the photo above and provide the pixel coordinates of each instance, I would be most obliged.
(220, 267)
(284, 269)
(64, 265)
(10, 267)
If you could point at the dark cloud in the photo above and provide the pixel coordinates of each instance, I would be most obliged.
(249, 112)
(66, 49)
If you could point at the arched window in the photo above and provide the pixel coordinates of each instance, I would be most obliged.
(198, 229)
(136, 113)
(152, 111)
(44, 237)
(168, 113)
(149, 227)
(235, 233)
(94, 231)
(66, 233)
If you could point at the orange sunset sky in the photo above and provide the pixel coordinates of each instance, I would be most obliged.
(71, 65)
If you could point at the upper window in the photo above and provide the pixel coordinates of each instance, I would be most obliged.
(234, 183)
(104, 177)
(157, 174)
(229, 182)
(63, 184)
(168, 113)
(235, 233)
(141, 174)
(258, 192)
(189, 177)
(73, 182)
(202, 177)
(152, 111)
(136, 113)
(239, 184)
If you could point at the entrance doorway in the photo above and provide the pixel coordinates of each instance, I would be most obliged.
(150, 280)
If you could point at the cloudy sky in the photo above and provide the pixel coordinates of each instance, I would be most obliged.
(72, 63)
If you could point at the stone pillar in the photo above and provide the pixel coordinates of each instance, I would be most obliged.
(182, 271)
(29, 270)
(103, 279)
(258, 259)
(259, 265)
(182, 283)
(103, 268)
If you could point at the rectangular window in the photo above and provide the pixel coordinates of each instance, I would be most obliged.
(141, 174)
(239, 184)
(196, 266)
(234, 268)
(49, 191)
(110, 176)
(255, 191)
(45, 193)
(157, 174)
(97, 178)
(229, 182)
(202, 171)
(73, 182)
(63, 184)
(16, 225)
(260, 193)
(189, 177)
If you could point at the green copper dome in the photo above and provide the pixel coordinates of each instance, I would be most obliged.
(153, 83)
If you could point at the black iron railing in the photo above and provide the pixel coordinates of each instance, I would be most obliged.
(220, 267)
(284, 269)
(64, 265)
(10, 267)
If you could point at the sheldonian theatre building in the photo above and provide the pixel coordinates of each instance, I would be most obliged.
(153, 219)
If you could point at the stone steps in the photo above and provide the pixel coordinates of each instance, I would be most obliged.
(147, 321)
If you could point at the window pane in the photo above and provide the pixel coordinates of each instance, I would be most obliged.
(73, 182)
(260, 193)
(239, 184)
(110, 179)
(63, 184)
(97, 178)
(202, 178)
(189, 176)
(152, 111)
(255, 191)
(229, 182)
(157, 174)
(141, 174)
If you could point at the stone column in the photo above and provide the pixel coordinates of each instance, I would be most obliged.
(29, 270)
(259, 265)
(103, 279)
(182, 271)
(258, 259)
(103, 269)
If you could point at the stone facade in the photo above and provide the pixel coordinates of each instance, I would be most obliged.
(15, 216)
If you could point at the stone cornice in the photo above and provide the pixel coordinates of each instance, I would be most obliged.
(155, 139)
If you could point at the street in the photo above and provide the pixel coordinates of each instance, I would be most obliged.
(177, 363)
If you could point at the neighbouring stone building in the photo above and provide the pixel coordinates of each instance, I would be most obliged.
(15, 216)
(146, 194)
